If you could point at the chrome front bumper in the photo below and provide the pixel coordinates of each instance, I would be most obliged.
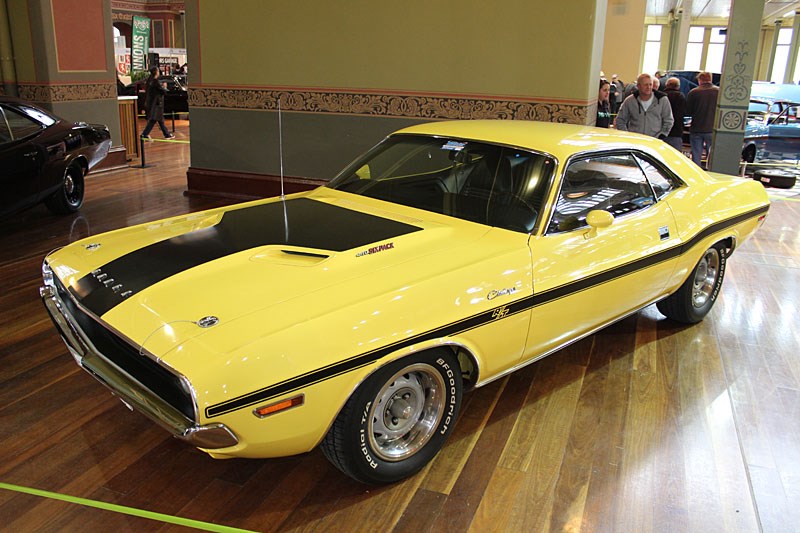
(129, 390)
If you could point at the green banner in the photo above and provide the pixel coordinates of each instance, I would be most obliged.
(141, 43)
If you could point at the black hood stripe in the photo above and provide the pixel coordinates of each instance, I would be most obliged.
(300, 222)
(497, 313)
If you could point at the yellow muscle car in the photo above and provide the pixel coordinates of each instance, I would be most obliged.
(353, 316)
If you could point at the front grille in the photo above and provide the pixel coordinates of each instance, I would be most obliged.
(159, 380)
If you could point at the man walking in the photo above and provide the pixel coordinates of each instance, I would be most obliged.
(701, 105)
(646, 111)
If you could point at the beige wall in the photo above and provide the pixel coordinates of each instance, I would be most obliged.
(347, 76)
(516, 48)
(624, 35)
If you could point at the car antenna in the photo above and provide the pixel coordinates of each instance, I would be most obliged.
(280, 145)
(280, 155)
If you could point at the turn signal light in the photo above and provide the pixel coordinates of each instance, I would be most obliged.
(277, 407)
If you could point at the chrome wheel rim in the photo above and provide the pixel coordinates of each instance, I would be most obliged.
(71, 188)
(69, 184)
(705, 278)
(406, 412)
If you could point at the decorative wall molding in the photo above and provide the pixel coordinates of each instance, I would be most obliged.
(141, 7)
(67, 92)
(387, 105)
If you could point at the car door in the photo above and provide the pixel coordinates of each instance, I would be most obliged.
(20, 159)
(585, 277)
(784, 134)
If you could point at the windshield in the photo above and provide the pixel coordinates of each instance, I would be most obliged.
(480, 182)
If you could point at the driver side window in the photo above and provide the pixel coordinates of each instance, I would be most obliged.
(21, 126)
(611, 182)
(5, 133)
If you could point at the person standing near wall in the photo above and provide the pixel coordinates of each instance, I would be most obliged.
(677, 102)
(603, 106)
(701, 105)
(646, 111)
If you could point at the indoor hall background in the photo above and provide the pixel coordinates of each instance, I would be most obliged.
(644, 426)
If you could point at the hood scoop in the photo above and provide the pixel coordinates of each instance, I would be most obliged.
(262, 231)
(288, 256)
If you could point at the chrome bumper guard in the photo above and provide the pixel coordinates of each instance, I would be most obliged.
(131, 392)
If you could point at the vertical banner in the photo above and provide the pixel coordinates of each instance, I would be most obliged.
(141, 43)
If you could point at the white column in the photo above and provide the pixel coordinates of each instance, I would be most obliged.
(789, 74)
(684, 20)
(778, 24)
(737, 77)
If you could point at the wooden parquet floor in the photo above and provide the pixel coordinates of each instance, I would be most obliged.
(645, 426)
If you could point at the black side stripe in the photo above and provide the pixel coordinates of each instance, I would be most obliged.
(480, 319)
(645, 262)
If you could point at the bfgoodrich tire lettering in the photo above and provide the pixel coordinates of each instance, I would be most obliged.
(398, 419)
(695, 298)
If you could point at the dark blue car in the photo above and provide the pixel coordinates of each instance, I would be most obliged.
(772, 132)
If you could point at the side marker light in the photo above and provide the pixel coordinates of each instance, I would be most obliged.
(277, 407)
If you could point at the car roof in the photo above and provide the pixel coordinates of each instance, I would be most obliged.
(775, 91)
(559, 140)
(764, 100)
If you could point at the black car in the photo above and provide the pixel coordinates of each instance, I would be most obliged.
(45, 158)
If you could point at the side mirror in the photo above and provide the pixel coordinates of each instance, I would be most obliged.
(599, 219)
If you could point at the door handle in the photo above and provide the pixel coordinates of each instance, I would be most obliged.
(31, 154)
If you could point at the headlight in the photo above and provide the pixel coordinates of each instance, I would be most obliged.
(47, 274)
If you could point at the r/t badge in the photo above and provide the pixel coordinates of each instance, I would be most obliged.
(500, 312)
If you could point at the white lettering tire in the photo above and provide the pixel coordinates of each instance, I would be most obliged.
(398, 419)
(695, 298)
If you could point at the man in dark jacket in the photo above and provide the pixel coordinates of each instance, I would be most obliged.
(701, 104)
(154, 105)
(678, 104)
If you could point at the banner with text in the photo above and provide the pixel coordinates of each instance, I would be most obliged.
(141, 43)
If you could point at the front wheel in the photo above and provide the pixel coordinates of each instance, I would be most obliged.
(69, 197)
(695, 298)
(398, 419)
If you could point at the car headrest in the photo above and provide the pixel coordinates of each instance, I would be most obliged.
(580, 177)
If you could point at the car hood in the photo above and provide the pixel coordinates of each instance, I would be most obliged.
(174, 278)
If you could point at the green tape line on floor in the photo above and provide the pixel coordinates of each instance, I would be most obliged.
(206, 526)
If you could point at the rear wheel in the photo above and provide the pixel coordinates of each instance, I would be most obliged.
(398, 419)
(695, 298)
(69, 197)
(749, 153)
